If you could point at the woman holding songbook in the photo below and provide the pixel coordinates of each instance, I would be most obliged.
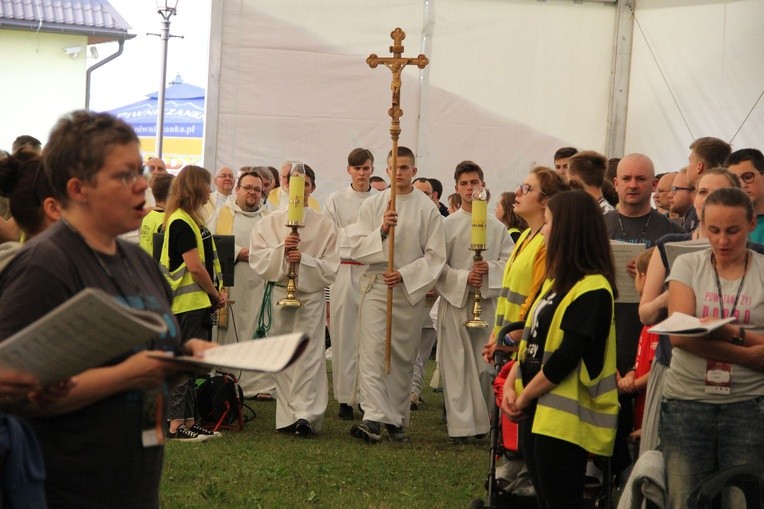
(714, 389)
(563, 389)
(100, 442)
(653, 303)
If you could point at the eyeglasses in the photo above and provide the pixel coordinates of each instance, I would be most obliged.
(748, 177)
(226, 177)
(252, 189)
(674, 189)
(128, 178)
(527, 188)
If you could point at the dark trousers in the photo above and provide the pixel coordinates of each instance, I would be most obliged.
(557, 468)
(193, 324)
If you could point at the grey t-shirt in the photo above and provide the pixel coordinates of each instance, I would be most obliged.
(686, 377)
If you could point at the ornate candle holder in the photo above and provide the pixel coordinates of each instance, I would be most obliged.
(476, 322)
(290, 301)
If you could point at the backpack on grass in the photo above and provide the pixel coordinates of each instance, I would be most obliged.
(220, 402)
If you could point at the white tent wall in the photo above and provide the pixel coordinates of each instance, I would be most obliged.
(696, 71)
(509, 82)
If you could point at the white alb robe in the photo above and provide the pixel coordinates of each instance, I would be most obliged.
(465, 375)
(419, 257)
(302, 388)
(345, 297)
(246, 295)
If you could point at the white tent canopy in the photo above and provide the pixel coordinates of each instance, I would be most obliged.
(509, 82)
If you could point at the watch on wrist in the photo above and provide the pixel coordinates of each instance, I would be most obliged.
(382, 232)
(739, 338)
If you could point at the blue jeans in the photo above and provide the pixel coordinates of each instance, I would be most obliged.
(698, 439)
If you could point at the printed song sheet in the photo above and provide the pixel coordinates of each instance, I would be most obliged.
(86, 331)
(268, 354)
(674, 249)
(623, 253)
(680, 324)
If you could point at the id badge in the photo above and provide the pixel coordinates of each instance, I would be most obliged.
(718, 377)
(152, 421)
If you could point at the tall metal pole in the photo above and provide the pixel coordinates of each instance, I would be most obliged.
(165, 36)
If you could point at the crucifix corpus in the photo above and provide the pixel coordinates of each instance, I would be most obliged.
(396, 63)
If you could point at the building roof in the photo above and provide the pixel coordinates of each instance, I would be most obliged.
(96, 19)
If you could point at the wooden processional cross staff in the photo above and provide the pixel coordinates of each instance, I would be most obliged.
(396, 63)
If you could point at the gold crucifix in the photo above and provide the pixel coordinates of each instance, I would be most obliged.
(396, 63)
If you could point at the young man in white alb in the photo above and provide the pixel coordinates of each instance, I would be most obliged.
(345, 296)
(466, 376)
(419, 258)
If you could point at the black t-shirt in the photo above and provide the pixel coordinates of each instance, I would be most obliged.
(586, 326)
(93, 456)
(645, 229)
(182, 240)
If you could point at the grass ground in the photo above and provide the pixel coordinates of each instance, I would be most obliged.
(259, 468)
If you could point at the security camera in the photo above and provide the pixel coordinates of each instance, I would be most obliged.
(73, 51)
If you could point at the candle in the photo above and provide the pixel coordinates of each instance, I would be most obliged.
(479, 216)
(296, 198)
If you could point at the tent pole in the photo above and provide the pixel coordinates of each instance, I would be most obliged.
(619, 88)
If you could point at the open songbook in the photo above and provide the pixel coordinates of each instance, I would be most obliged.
(680, 324)
(674, 249)
(86, 331)
(623, 253)
(268, 354)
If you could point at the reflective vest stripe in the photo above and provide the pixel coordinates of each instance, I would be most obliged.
(183, 290)
(586, 415)
(177, 275)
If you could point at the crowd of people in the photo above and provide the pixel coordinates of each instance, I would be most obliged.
(587, 379)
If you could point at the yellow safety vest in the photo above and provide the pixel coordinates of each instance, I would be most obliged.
(581, 410)
(517, 282)
(187, 294)
(149, 226)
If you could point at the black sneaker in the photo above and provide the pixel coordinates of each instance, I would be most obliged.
(183, 434)
(346, 412)
(396, 433)
(367, 431)
(202, 431)
(303, 428)
(289, 430)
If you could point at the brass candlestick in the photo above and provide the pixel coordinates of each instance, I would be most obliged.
(476, 322)
(290, 300)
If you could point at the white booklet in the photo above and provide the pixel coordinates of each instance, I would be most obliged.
(86, 331)
(268, 354)
(680, 324)
(623, 253)
(674, 249)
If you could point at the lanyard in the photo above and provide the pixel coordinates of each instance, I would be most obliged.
(641, 239)
(719, 285)
(130, 275)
